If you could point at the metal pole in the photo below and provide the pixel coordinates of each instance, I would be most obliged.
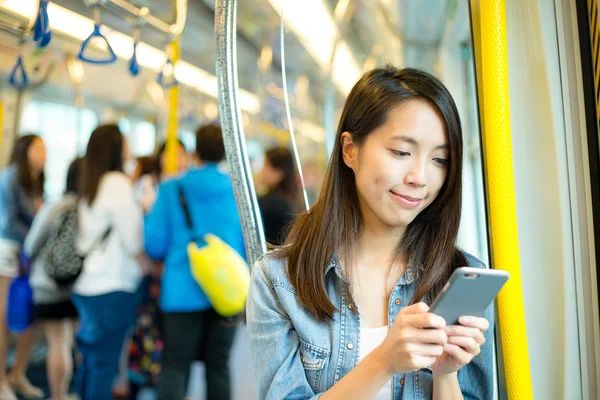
(172, 146)
(497, 145)
(174, 29)
(233, 129)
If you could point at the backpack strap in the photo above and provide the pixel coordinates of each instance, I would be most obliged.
(184, 206)
(99, 241)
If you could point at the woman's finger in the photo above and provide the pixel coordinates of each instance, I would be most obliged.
(475, 322)
(467, 343)
(425, 320)
(479, 339)
(460, 356)
(426, 336)
(425, 350)
(459, 330)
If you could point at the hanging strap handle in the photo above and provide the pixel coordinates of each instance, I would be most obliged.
(161, 76)
(134, 66)
(18, 76)
(112, 57)
(41, 30)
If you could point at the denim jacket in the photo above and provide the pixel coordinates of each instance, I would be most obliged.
(16, 208)
(298, 357)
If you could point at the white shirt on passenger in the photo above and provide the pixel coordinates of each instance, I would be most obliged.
(371, 338)
(110, 266)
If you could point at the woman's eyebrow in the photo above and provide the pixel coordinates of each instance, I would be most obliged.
(414, 142)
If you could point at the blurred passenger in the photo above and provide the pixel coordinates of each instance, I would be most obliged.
(110, 233)
(339, 313)
(140, 363)
(183, 162)
(21, 193)
(190, 323)
(53, 308)
(280, 203)
(145, 182)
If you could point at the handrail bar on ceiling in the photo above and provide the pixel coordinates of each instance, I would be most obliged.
(144, 16)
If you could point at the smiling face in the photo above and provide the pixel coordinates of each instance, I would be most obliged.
(270, 176)
(401, 166)
(36, 156)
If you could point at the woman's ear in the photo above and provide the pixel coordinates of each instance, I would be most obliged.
(349, 150)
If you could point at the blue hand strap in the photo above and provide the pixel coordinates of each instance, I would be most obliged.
(134, 66)
(161, 77)
(18, 76)
(112, 57)
(41, 30)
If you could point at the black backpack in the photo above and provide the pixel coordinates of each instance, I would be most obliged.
(63, 262)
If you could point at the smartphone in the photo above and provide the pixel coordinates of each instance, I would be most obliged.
(469, 292)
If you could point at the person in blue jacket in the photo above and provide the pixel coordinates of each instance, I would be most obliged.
(21, 195)
(190, 325)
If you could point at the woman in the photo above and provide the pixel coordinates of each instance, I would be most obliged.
(183, 162)
(53, 308)
(21, 191)
(190, 326)
(140, 361)
(110, 234)
(278, 206)
(145, 182)
(338, 313)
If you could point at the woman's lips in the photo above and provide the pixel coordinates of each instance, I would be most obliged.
(406, 201)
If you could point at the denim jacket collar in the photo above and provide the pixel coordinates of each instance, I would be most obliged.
(406, 279)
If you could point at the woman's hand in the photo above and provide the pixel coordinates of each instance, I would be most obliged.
(464, 343)
(415, 340)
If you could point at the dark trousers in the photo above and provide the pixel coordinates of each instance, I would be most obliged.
(104, 323)
(186, 336)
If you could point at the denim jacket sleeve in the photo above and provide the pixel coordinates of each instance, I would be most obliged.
(275, 345)
(18, 212)
(476, 379)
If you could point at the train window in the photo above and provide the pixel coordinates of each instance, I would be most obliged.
(305, 69)
(65, 131)
(141, 135)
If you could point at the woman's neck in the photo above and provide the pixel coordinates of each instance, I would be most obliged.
(378, 242)
(376, 246)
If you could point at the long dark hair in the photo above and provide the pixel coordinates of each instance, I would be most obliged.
(104, 154)
(19, 157)
(73, 173)
(281, 158)
(158, 169)
(335, 221)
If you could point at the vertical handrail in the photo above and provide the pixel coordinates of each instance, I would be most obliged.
(498, 156)
(233, 129)
(172, 146)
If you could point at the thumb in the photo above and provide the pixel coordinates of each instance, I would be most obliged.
(417, 308)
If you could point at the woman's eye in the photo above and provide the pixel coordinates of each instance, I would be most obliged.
(441, 161)
(400, 153)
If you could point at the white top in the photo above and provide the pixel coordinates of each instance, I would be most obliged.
(111, 265)
(145, 191)
(370, 338)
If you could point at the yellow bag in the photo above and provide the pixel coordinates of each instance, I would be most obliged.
(222, 274)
